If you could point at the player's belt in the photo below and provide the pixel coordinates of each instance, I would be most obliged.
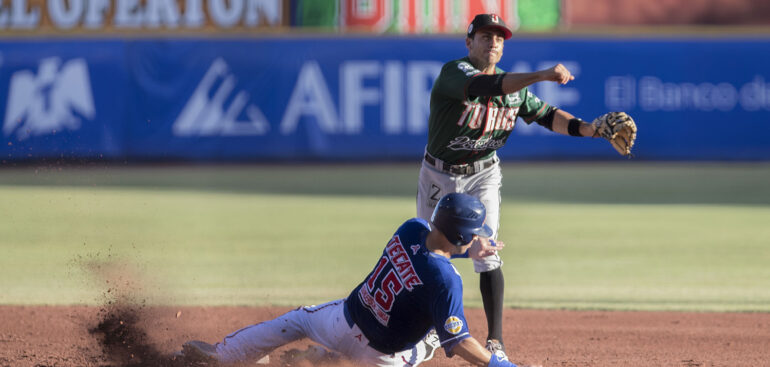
(461, 169)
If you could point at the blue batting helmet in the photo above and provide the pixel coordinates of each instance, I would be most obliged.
(459, 217)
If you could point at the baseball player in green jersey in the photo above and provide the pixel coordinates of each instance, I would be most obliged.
(473, 109)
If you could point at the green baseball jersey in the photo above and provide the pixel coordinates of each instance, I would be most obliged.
(462, 128)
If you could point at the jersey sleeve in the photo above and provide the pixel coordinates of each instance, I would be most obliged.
(454, 79)
(532, 108)
(449, 318)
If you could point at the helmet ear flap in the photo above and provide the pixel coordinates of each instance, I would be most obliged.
(460, 238)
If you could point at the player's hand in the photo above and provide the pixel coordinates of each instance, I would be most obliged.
(483, 247)
(559, 74)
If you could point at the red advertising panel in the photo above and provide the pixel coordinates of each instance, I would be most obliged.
(422, 16)
(366, 15)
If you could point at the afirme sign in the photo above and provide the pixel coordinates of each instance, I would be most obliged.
(18, 16)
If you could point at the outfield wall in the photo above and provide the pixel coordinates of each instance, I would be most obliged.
(364, 97)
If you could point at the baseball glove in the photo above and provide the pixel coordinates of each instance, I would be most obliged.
(619, 128)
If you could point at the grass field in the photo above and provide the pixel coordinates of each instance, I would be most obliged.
(580, 236)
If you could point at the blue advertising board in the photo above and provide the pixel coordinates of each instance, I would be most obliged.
(365, 98)
(62, 99)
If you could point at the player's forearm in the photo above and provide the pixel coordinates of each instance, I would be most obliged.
(561, 122)
(472, 351)
(514, 82)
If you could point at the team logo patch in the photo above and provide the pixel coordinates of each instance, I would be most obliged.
(453, 325)
(513, 98)
(467, 68)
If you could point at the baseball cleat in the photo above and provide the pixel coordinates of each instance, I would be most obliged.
(198, 353)
(497, 348)
(432, 343)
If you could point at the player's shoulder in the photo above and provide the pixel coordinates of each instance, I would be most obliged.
(462, 65)
(531, 97)
(414, 224)
(413, 230)
(445, 275)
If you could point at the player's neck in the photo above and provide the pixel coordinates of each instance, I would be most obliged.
(482, 65)
(437, 244)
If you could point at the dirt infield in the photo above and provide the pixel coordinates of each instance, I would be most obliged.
(47, 336)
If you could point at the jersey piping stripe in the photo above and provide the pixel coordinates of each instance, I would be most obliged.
(316, 309)
(540, 113)
(224, 342)
(463, 335)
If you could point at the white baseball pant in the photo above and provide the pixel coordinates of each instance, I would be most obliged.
(485, 185)
(324, 324)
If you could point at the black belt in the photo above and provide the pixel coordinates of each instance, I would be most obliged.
(460, 169)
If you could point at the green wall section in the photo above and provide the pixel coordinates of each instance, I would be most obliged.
(322, 14)
(539, 14)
